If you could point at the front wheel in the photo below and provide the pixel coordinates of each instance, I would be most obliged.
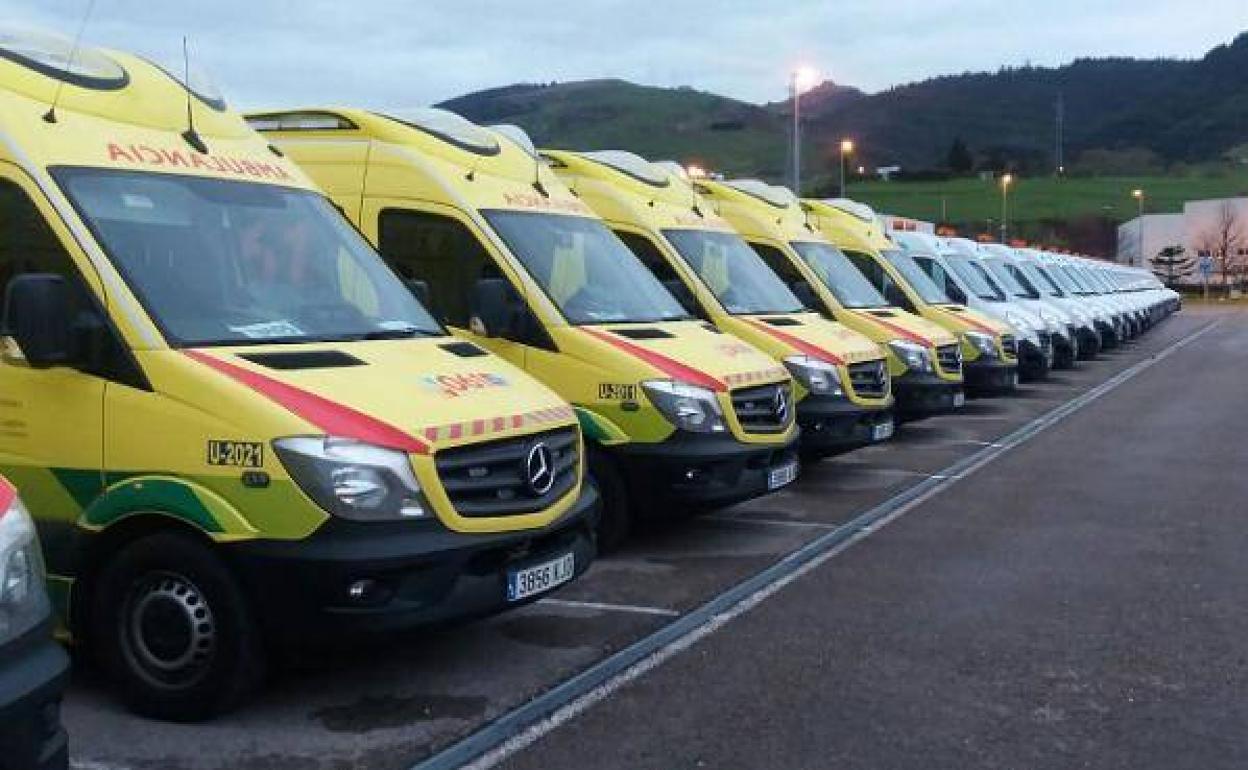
(174, 631)
(616, 520)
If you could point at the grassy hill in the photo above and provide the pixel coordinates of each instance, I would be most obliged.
(680, 123)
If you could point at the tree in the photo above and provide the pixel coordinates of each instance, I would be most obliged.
(1172, 263)
(1224, 239)
(960, 160)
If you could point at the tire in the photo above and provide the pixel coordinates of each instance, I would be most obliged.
(173, 629)
(616, 520)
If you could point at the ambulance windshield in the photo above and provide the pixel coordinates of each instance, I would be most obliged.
(734, 272)
(218, 262)
(585, 270)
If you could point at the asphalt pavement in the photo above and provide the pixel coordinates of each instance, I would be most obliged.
(1071, 598)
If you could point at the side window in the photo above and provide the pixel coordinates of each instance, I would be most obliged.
(649, 254)
(779, 264)
(937, 273)
(656, 263)
(871, 269)
(28, 245)
(440, 251)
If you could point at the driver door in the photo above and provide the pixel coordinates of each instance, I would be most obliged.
(51, 419)
(436, 247)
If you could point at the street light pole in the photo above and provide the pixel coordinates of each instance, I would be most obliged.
(1139, 198)
(797, 135)
(800, 79)
(847, 147)
(1005, 212)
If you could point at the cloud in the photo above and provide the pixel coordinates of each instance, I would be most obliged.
(393, 53)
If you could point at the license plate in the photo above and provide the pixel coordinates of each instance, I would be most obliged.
(959, 399)
(540, 578)
(881, 431)
(784, 474)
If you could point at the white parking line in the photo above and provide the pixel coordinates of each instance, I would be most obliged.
(775, 522)
(608, 607)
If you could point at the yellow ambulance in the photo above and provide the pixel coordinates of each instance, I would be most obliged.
(924, 360)
(989, 348)
(842, 386)
(678, 415)
(234, 426)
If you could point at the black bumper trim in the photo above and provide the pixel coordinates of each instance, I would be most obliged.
(703, 471)
(990, 376)
(418, 575)
(925, 394)
(34, 672)
(837, 424)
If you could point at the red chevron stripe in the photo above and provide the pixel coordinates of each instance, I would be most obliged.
(796, 342)
(333, 418)
(668, 366)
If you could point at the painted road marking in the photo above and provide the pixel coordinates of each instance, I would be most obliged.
(524, 725)
(608, 607)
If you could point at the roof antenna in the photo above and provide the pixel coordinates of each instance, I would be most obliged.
(50, 115)
(537, 175)
(190, 135)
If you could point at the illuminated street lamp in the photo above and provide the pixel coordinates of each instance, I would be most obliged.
(801, 79)
(847, 149)
(1006, 181)
(1139, 198)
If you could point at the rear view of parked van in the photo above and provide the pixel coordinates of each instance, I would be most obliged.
(679, 416)
(233, 425)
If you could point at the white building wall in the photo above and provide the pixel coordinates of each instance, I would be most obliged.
(1160, 231)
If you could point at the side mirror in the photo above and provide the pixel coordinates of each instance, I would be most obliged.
(38, 315)
(805, 294)
(683, 295)
(496, 309)
(419, 290)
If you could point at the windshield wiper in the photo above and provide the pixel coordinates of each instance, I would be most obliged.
(397, 334)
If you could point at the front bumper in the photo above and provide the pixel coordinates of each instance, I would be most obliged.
(414, 574)
(837, 424)
(990, 376)
(1035, 361)
(924, 394)
(34, 671)
(699, 470)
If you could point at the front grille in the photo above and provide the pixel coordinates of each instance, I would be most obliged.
(497, 478)
(1010, 345)
(950, 358)
(869, 379)
(764, 409)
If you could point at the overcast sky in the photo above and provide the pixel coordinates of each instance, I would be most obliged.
(402, 53)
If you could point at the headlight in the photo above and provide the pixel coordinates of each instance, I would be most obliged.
(23, 598)
(819, 377)
(354, 480)
(688, 407)
(913, 355)
(986, 344)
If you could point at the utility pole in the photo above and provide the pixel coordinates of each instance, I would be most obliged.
(796, 175)
(1005, 202)
(1059, 150)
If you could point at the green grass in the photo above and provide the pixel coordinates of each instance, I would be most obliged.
(1047, 198)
